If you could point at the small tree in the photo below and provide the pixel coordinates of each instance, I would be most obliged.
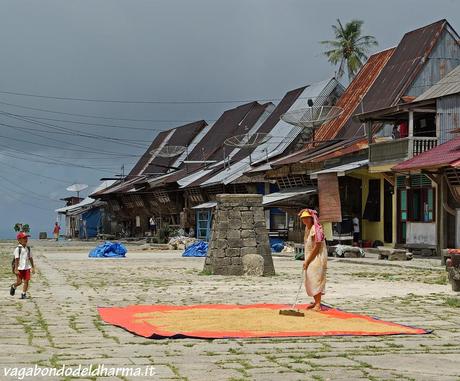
(349, 48)
(20, 227)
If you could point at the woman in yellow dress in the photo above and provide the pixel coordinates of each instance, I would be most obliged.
(315, 264)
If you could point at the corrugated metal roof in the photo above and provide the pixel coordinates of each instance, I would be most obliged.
(320, 93)
(179, 136)
(206, 205)
(88, 201)
(449, 85)
(287, 194)
(283, 134)
(380, 83)
(341, 170)
(149, 163)
(350, 101)
(440, 156)
(402, 68)
(209, 145)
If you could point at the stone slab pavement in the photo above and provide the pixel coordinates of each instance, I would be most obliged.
(59, 324)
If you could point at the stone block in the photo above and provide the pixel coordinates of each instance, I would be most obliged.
(235, 224)
(235, 270)
(249, 250)
(220, 253)
(237, 261)
(235, 242)
(247, 225)
(249, 242)
(233, 234)
(222, 244)
(233, 252)
(264, 250)
(248, 234)
(225, 261)
(253, 265)
(247, 216)
(259, 224)
(394, 254)
(222, 225)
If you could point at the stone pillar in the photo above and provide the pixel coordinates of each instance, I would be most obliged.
(239, 243)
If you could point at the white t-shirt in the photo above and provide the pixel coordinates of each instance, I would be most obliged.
(356, 225)
(24, 263)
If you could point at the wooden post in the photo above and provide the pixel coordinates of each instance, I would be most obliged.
(411, 135)
(369, 131)
(440, 214)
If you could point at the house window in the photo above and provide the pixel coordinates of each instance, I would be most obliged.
(421, 205)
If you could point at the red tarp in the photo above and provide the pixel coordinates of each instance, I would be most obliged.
(236, 321)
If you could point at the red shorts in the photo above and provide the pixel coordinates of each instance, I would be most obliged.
(24, 274)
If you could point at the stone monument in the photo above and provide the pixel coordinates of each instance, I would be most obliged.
(239, 242)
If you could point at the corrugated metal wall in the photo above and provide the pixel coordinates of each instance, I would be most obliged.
(444, 58)
(448, 110)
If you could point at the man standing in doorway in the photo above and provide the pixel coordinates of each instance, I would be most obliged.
(153, 225)
(356, 231)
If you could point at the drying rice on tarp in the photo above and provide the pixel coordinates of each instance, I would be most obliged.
(233, 321)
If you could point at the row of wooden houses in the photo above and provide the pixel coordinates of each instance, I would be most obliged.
(402, 105)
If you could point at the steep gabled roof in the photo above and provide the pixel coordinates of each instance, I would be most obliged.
(150, 163)
(179, 136)
(404, 65)
(282, 133)
(380, 83)
(236, 121)
(350, 101)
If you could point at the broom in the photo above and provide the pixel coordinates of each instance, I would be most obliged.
(293, 311)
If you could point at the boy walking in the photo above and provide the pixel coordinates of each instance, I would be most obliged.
(23, 265)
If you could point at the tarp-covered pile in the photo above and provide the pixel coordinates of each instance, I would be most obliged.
(197, 249)
(181, 242)
(276, 244)
(108, 250)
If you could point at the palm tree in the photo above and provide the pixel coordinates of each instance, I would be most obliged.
(349, 47)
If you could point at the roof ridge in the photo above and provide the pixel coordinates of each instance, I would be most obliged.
(441, 21)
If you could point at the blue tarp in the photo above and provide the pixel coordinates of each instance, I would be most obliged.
(277, 244)
(108, 250)
(197, 249)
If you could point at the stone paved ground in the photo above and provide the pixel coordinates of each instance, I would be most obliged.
(60, 325)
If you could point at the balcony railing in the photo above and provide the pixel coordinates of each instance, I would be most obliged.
(399, 149)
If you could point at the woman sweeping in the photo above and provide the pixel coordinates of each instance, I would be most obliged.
(315, 264)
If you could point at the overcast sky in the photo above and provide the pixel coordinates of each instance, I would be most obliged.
(158, 50)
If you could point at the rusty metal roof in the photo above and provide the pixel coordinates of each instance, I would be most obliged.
(380, 83)
(402, 68)
(350, 101)
(327, 150)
